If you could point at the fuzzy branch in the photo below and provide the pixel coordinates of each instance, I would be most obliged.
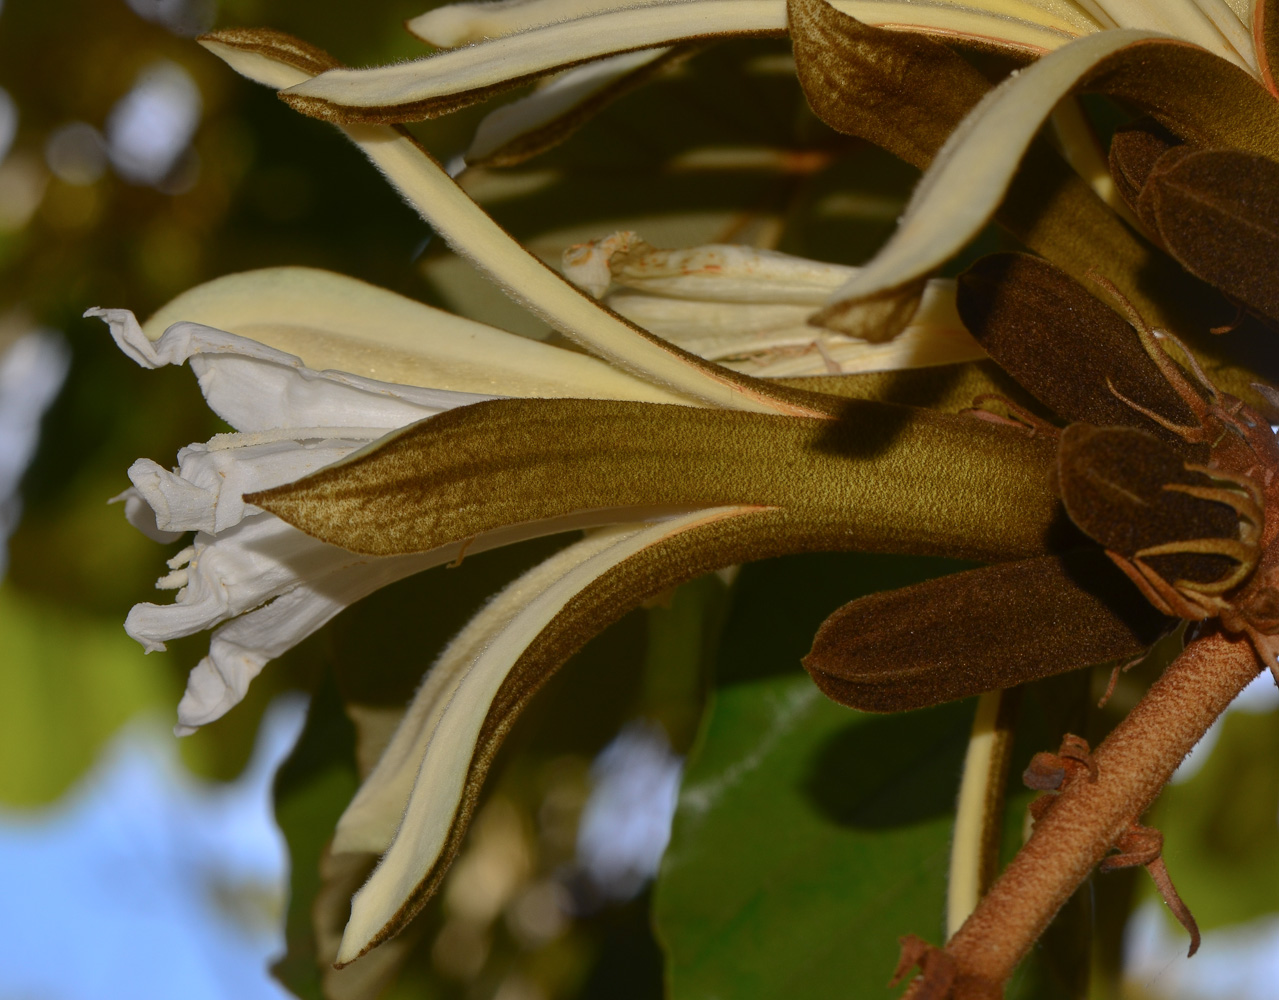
(1088, 818)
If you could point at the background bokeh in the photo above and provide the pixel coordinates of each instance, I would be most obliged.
(133, 165)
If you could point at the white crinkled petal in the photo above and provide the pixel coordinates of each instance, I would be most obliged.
(177, 505)
(254, 387)
(231, 465)
(139, 513)
(233, 572)
(240, 649)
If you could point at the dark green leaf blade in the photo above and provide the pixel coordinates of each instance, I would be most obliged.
(808, 837)
(982, 630)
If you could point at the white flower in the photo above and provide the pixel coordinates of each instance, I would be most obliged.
(260, 584)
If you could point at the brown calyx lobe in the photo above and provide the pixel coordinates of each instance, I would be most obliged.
(1217, 212)
(1113, 482)
(1134, 150)
(1066, 347)
(980, 630)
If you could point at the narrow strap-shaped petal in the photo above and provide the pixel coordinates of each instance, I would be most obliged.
(255, 387)
(463, 23)
(444, 82)
(1209, 24)
(980, 630)
(1265, 35)
(331, 321)
(455, 24)
(503, 662)
(438, 759)
(895, 479)
(1199, 97)
(525, 128)
(271, 59)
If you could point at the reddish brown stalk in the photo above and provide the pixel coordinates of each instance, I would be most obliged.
(1088, 818)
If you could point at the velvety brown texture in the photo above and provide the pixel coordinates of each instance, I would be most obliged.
(1134, 150)
(276, 45)
(901, 90)
(1217, 212)
(1112, 482)
(883, 478)
(1089, 817)
(981, 630)
(951, 388)
(1063, 344)
(1191, 92)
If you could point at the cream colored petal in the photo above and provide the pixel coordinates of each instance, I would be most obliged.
(239, 649)
(714, 272)
(563, 99)
(1083, 151)
(474, 235)
(338, 323)
(255, 387)
(445, 735)
(370, 821)
(457, 24)
(539, 50)
(464, 23)
(1208, 23)
(967, 180)
(729, 273)
(774, 340)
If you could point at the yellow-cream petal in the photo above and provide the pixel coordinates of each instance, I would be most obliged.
(333, 322)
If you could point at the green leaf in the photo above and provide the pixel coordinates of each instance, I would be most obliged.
(1221, 842)
(808, 836)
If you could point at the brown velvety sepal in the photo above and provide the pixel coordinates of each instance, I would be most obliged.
(1134, 150)
(1064, 345)
(1114, 483)
(901, 90)
(1217, 212)
(980, 630)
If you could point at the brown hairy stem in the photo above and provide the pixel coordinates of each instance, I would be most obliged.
(1087, 818)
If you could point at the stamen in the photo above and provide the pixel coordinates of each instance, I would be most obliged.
(1246, 555)
(173, 581)
(182, 558)
(1185, 432)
